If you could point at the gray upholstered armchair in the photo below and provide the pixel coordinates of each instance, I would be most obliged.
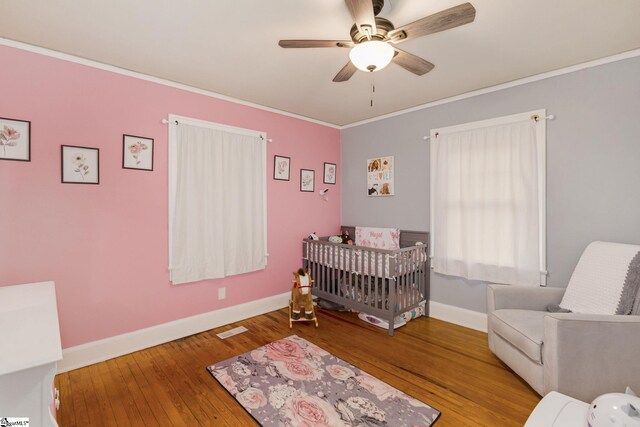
(580, 355)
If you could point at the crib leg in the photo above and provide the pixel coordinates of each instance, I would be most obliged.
(391, 326)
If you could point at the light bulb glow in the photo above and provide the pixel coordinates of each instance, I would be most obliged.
(371, 55)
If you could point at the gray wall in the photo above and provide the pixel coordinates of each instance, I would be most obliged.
(593, 166)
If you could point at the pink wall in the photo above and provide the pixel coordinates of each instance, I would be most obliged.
(105, 245)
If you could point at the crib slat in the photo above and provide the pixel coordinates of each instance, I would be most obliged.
(406, 284)
(334, 264)
(321, 266)
(385, 263)
(380, 276)
(377, 284)
(316, 265)
(407, 281)
(347, 270)
(372, 276)
(403, 283)
(362, 278)
(376, 280)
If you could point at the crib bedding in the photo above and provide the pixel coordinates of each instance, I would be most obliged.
(376, 297)
(364, 262)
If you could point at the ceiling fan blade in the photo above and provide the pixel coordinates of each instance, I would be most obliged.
(315, 43)
(362, 13)
(447, 19)
(412, 63)
(346, 73)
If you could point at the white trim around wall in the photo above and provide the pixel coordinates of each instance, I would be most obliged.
(135, 74)
(459, 316)
(98, 351)
(523, 81)
(158, 80)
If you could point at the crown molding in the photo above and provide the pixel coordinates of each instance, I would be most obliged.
(523, 81)
(122, 71)
(129, 73)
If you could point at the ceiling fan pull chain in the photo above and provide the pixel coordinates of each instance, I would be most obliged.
(373, 88)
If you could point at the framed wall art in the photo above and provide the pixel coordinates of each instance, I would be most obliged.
(329, 173)
(307, 180)
(15, 140)
(380, 176)
(137, 152)
(80, 165)
(281, 168)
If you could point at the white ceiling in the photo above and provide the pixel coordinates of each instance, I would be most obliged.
(231, 47)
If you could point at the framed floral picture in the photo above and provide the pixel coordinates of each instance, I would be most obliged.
(137, 152)
(80, 165)
(329, 173)
(15, 140)
(281, 168)
(307, 180)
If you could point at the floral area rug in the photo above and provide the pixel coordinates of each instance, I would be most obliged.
(292, 382)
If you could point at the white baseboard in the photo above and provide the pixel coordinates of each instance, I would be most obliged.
(108, 348)
(459, 316)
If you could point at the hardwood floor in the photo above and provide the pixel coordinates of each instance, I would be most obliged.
(446, 366)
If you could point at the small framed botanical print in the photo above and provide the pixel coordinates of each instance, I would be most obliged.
(281, 168)
(15, 140)
(307, 178)
(329, 173)
(80, 165)
(137, 152)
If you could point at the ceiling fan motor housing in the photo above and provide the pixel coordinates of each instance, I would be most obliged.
(383, 26)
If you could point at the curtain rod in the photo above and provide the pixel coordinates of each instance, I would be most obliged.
(535, 118)
(175, 122)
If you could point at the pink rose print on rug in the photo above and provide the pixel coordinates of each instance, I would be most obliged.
(294, 383)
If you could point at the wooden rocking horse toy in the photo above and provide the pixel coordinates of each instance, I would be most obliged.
(301, 298)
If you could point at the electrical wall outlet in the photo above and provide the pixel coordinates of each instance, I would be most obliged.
(222, 293)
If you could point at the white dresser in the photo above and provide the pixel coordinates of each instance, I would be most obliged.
(29, 349)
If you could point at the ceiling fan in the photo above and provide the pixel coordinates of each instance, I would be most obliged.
(373, 38)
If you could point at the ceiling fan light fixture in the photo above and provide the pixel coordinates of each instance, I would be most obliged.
(372, 55)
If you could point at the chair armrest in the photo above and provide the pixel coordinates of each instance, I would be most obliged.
(586, 355)
(521, 298)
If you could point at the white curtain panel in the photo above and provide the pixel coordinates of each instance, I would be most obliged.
(487, 203)
(218, 224)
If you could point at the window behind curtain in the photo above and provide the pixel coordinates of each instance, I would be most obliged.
(217, 201)
(488, 200)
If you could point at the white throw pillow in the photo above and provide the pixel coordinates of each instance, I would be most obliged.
(605, 281)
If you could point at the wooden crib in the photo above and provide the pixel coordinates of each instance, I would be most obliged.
(383, 283)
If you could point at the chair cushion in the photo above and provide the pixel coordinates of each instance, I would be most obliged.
(605, 281)
(522, 328)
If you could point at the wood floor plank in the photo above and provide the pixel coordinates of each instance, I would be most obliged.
(79, 388)
(187, 382)
(178, 413)
(113, 390)
(150, 417)
(153, 399)
(441, 364)
(105, 410)
(124, 397)
(225, 404)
